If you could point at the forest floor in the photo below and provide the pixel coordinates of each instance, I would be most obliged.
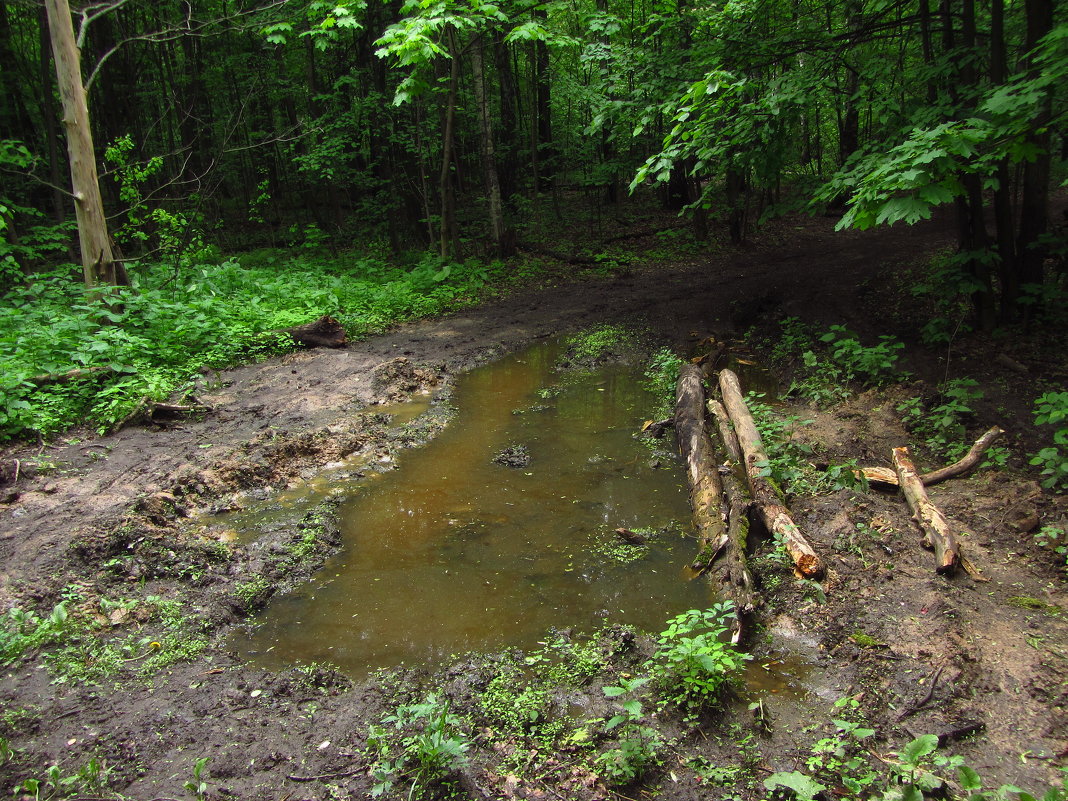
(146, 688)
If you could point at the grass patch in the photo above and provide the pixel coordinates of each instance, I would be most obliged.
(151, 340)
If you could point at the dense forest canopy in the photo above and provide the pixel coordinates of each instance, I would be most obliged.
(444, 123)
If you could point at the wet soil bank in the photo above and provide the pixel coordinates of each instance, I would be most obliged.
(147, 686)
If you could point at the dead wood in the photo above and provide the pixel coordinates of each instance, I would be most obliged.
(937, 533)
(888, 477)
(775, 516)
(69, 375)
(326, 332)
(970, 460)
(706, 488)
(733, 569)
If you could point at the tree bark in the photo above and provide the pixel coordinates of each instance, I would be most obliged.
(775, 516)
(447, 241)
(733, 569)
(98, 263)
(937, 533)
(706, 489)
(501, 240)
(326, 332)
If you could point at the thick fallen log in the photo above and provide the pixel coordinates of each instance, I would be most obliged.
(888, 477)
(326, 332)
(733, 569)
(706, 489)
(937, 533)
(776, 517)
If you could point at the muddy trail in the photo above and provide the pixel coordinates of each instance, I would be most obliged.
(143, 679)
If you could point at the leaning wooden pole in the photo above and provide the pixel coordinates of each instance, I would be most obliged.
(937, 533)
(706, 489)
(776, 517)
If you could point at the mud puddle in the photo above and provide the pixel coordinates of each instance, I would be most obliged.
(499, 530)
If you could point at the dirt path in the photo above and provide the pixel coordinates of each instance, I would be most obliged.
(78, 504)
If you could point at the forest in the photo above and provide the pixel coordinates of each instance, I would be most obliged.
(258, 260)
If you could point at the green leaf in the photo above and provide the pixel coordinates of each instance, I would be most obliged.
(804, 787)
(916, 750)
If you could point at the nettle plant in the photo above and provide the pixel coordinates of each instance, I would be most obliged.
(638, 745)
(1051, 409)
(693, 663)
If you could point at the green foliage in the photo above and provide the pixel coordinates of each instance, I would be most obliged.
(22, 631)
(948, 284)
(90, 779)
(597, 345)
(198, 786)
(874, 364)
(941, 428)
(788, 464)
(637, 746)
(1051, 409)
(155, 337)
(661, 376)
(692, 663)
(1054, 538)
(422, 742)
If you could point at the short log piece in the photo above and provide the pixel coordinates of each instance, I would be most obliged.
(937, 533)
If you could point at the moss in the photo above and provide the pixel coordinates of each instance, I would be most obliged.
(865, 640)
(1027, 602)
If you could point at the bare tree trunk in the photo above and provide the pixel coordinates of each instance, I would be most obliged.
(98, 263)
(447, 243)
(489, 156)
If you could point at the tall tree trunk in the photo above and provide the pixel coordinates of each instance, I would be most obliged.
(1034, 195)
(1008, 266)
(489, 157)
(98, 263)
(546, 151)
(48, 114)
(447, 232)
(509, 127)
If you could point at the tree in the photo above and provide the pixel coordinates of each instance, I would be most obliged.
(98, 262)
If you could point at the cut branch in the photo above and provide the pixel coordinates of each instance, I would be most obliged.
(970, 460)
(937, 533)
(884, 475)
(775, 515)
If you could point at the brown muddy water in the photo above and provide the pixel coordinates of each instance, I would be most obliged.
(453, 552)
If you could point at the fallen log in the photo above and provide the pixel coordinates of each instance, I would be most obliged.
(937, 533)
(888, 477)
(326, 332)
(706, 489)
(970, 460)
(775, 516)
(69, 375)
(733, 569)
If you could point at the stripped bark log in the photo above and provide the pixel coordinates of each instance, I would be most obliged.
(937, 533)
(775, 516)
(888, 477)
(706, 489)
